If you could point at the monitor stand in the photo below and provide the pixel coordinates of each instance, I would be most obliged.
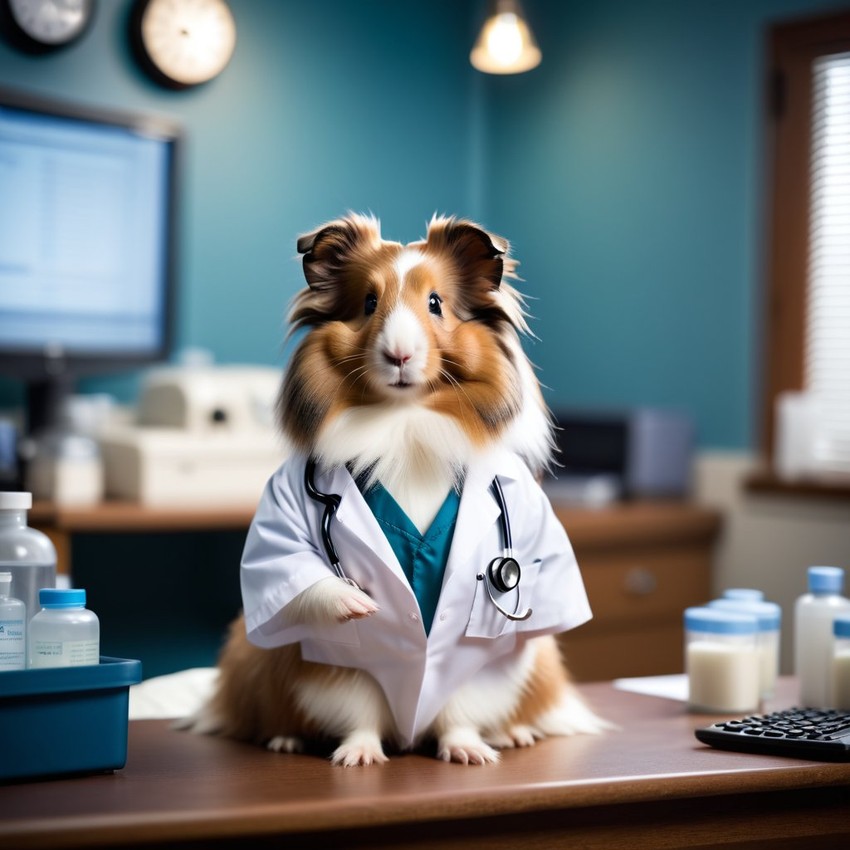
(46, 401)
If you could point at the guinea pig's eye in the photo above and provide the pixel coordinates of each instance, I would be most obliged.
(371, 304)
(435, 304)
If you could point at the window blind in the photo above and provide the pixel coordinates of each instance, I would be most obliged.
(827, 356)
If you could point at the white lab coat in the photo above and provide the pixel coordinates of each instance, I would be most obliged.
(284, 555)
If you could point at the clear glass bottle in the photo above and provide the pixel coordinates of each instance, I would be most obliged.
(814, 613)
(64, 633)
(840, 695)
(13, 627)
(721, 661)
(24, 552)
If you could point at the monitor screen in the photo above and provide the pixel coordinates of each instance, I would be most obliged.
(87, 240)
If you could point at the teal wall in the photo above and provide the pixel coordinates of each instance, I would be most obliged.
(326, 106)
(627, 170)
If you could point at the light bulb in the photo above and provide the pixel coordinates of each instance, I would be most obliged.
(505, 45)
(504, 40)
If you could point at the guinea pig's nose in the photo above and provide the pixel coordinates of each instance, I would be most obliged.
(397, 358)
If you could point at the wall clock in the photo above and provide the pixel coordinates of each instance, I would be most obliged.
(183, 42)
(41, 25)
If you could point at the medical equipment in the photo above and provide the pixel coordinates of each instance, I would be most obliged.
(503, 573)
(202, 436)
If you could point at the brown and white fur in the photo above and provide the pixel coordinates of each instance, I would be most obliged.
(412, 365)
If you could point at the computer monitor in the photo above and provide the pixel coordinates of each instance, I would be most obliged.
(87, 245)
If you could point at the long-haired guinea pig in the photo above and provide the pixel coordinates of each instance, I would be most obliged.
(404, 574)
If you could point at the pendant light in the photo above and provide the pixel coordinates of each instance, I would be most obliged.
(506, 44)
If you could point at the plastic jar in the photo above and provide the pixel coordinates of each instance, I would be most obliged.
(64, 633)
(750, 594)
(722, 660)
(769, 618)
(24, 552)
(840, 698)
(814, 613)
(13, 628)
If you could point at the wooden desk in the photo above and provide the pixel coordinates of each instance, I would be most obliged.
(650, 785)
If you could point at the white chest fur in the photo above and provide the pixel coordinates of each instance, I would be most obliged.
(416, 454)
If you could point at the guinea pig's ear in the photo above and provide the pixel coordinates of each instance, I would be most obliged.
(327, 249)
(477, 254)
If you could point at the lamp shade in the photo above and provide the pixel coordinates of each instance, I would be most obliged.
(506, 45)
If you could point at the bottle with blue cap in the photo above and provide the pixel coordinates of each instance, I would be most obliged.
(721, 660)
(747, 594)
(841, 663)
(814, 613)
(64, 633)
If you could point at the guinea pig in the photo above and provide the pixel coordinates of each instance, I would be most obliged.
(404, 574)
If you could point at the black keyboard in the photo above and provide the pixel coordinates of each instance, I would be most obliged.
(805, 733)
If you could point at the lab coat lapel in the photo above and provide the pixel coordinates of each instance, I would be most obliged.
(354, 518)
(478, 511)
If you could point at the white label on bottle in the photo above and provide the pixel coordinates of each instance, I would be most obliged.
(841, 681)
(12, 656)
(69, 653)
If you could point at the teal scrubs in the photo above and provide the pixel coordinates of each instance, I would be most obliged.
(422, 556)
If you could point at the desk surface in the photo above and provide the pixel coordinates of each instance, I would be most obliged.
(650, 784)
(617, 524)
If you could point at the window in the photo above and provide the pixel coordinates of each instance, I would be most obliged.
(808, 308)
(827, 353)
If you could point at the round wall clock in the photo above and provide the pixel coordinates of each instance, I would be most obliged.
(41, 25)
(183, 42)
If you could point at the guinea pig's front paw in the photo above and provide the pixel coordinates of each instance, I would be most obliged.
(351, 603)
(465, 746)
(333, 600)
(359, 748)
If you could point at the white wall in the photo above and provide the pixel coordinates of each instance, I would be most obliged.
(768, 541)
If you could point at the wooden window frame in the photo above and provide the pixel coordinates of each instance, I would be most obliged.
(793, 47)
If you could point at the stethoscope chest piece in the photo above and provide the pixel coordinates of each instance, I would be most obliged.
(505, 573)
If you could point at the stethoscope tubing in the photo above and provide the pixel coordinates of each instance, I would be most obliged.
(331, 502)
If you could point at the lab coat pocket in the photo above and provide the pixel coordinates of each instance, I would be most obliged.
(344, 633)
(333, 644)
(487, 620)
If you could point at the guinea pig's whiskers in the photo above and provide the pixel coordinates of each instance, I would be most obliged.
(351, 378)
(459, 391)
(451, 379)
(350, 358)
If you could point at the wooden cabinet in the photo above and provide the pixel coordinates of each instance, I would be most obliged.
(643, 563)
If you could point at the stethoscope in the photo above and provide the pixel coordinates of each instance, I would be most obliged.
(503, 573)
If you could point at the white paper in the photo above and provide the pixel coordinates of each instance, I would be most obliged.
(669, 687)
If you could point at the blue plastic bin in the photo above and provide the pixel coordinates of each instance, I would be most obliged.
(65, 720)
